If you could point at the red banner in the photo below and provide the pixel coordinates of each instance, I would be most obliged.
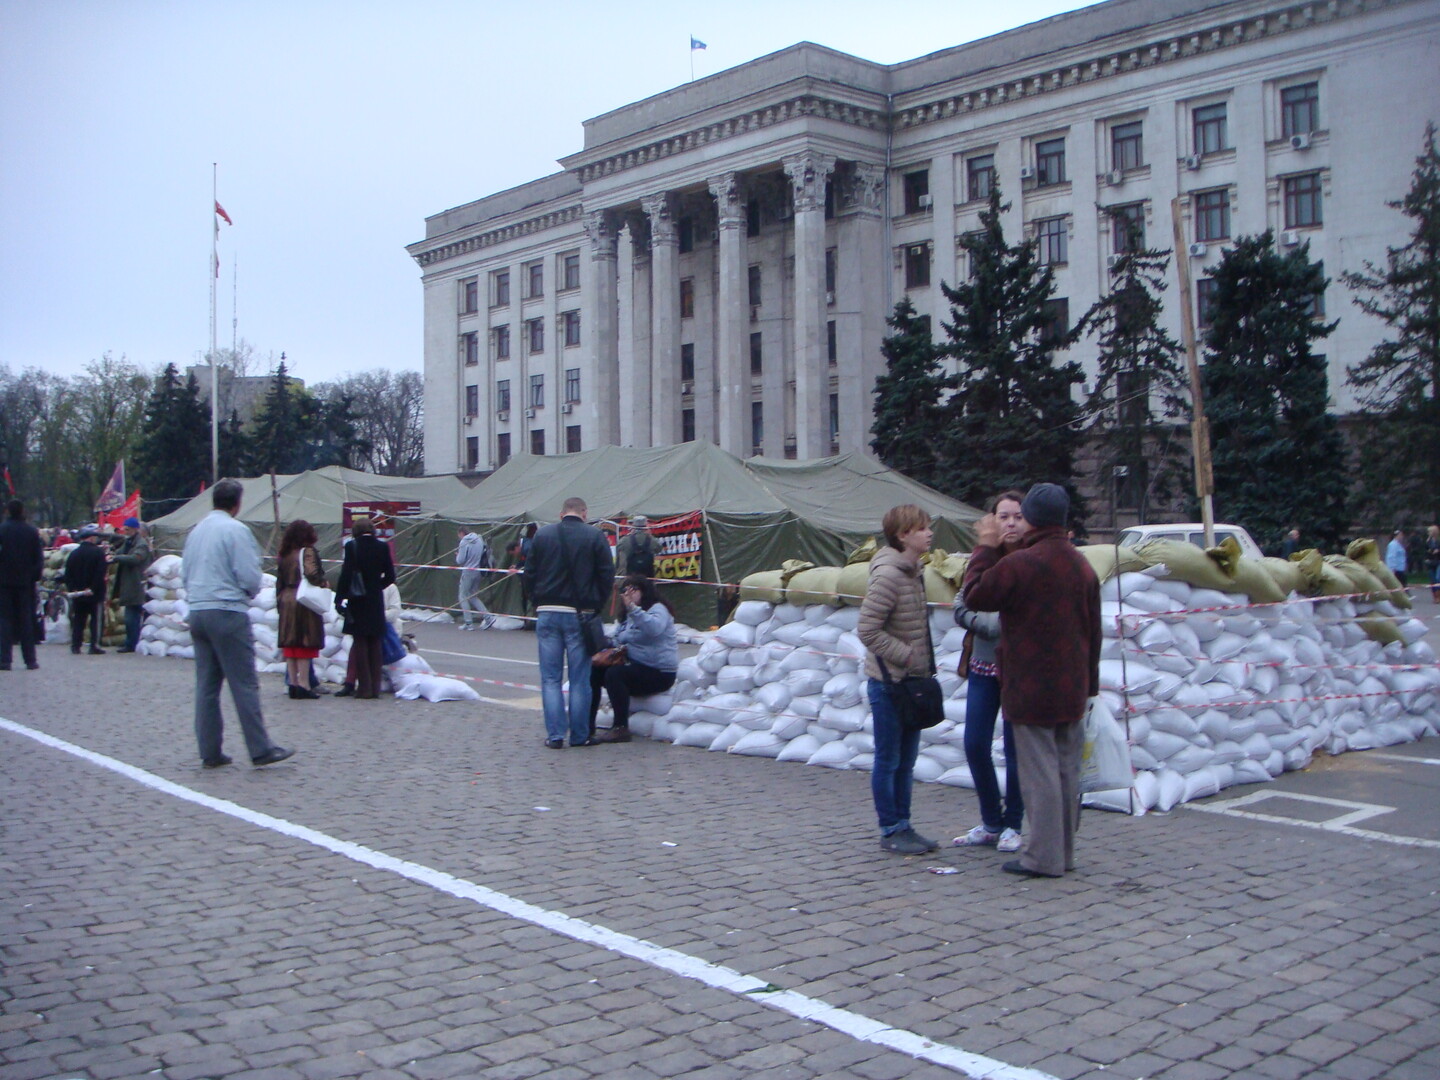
(382, 516)
(677, 545)
(130, 509)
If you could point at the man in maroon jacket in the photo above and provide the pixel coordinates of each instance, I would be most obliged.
(1049, 604)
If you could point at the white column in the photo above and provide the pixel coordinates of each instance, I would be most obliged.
(808, 173)
(732, 340)
(864, 262)
(664, 319)
(599, 332)
(625, 336)
(643, 388)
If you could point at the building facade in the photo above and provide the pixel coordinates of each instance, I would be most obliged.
(718, 261)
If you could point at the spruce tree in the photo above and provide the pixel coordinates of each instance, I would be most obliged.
(1279, 459)
(1399, 382)
(281, 434)
(172, 457)
(1012, 421)
(1140, 382)
(908, 428)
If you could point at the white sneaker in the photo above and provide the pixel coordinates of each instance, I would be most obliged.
(1009, 841)
(979, 836)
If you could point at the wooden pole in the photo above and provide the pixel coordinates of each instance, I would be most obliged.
(1199, 425)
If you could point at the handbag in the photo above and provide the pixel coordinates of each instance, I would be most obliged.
(918, 701)
(609, 657)
(318, 599)
(392, 649)
(592, 632)
(1105, 755)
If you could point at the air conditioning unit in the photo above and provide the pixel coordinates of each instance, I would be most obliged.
(1194, 161)
(1290, 238)
(687, 387)
(1115, 177)
(1027, 172)
(1197, 250)
(469, 419)
(754, 312)
(1112, 262)
(529, 414)
(568, 407)
(1300, 142)
(829, 299)
(926, 201)
(502, 415)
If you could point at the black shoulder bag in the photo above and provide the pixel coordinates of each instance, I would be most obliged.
(917, 699)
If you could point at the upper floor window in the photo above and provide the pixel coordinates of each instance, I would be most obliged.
(502, 448)
(1212, 215)
(472, 452)
(537, 442)
(686, 235)
(1300, 109)
(917, 266)
(1052, 235)
(754, 285)
(1302, 201)
(536, 328)
(1049, 162)
(1057, 322)
(502, 342)
(1128, 228)
(1205, 290)
(757, 355)
(1209, 126)
(469, 297)
(972, 262)
(571, 323)
(534, 280)
(1127, 146)
(757, 427)
(572, 384)
(979, 176)
(502, 395)
(472, 400)
(917, 191)
(687, 363)
(752, 218)
(572, 439)
(687, 298)
(470, 344)
(570, 271)
(832, 344)
(537, 391)
(830, 256)
(500, 287)
(687, 425)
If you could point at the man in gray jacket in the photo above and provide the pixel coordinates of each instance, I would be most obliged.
(222, 572)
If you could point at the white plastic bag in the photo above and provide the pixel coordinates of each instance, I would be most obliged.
(1105, 759)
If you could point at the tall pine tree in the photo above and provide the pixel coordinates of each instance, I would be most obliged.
(280, 437)
(172, 457)
(1399, 382)
(1012, 420)
(1278, 455)
(908, 427)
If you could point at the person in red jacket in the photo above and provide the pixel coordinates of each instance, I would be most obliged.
(1048, 598)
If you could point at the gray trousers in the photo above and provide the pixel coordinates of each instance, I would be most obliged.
(1049, 762)
(471, 582)
(224, 649)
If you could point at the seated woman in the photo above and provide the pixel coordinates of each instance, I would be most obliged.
(652, 656)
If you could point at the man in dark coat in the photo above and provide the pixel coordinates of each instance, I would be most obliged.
(130, 560)
(22, 561)
(1048, 598)
(569, 572)
(85, 582)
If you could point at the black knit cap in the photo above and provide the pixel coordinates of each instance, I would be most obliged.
(1046, 504)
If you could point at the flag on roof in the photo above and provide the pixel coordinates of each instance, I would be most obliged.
(696, 43)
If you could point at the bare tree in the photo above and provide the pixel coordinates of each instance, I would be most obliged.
(388, 412)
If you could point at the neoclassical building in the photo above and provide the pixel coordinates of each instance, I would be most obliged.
(717, 261)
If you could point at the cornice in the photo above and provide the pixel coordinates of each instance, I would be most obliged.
(555, 218)
(1213, 38)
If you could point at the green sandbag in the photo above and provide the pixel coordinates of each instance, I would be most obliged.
(938, 559)
(1102, 559)
(1367, 554)
(1187, 563)
(854, 580)
(790, 567)
(1362, 580)
(763, 585)
(1285, 574)
(816, 586)
(864, 553)
(1379, 628)
(937, 589)
(955, 567)
(1253, 578)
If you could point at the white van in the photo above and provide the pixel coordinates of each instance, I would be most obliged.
(1190, 531)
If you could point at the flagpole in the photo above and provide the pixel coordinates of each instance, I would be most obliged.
(214, 364)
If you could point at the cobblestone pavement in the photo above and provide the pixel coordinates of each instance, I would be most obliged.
(141, 934)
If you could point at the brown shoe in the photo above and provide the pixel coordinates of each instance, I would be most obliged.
(614, 734)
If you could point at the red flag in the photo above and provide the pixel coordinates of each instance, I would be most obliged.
(117, 517)
(114, 493)
(9, 483)
(220, 210)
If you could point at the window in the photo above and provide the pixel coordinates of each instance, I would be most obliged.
(502, 343)
(472, 453)
(1300, 109)
(752, 218)
(502, 395)
(537, 442)
(570, 271)
(687, 298)
(537, 391)
(972, 261)
(757, 357)
(470, 346)
(687, 362)
(1205, 301)
(687, 235)
(1317, 298)
(1052, 236)
(1127, 150)
(500, 281)
(980, 176)
(834, 423)
(469, 297)
(502, 448)
(572, 439)
(472, 400)
(917, 266)
(1132, 394)
(754, 286)
(687, 425)
(1209, 127)
(572, 384)
(534, 280)
(1049, 162)
(830, 264)
(1212, 215)
(916, 187)
(537, 335)
(1302, 201)
(829, 200)
(830, 341)
(757, 427)
(1057, 322)
(570, 321)
(1128, 228)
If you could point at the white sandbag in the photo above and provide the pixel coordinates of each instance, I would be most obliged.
(720, 708)
(728, 737)
(845, 619)
(1147, 789)
(759, 744)
(862, 762)
(1250, 771)
(862, 742)
(1171, 789)
(804, 660)
(754, 718)
(806, 681)
(789, 726)
(1412, 630)
(776, 696)
(1178, 722)
(729, 680)
(958, 777)
(953, 641)
(801, 748)
(1164, 745)
(753, 612)
(1224, 646)
(845, 720)
(736, 634)
(843, 691)
(850, 646)
(946, 754)
(1140, 758)
(927, 770)
(835, 755)
(823, 734)
(264, 600)
(808, 705)
(434, 688)
(1143, 600)
(713, 656)
(689, 670)
(159, 607)
(821, 637)
(746, 657)
(1199, 784)
(659, 704)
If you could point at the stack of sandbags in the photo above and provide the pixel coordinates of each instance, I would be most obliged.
(166, 631)
(57, 630)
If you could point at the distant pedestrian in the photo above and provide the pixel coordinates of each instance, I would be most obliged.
(1048, 598)
(635, 554)
(301, 632)
(473, 557)
(221, 573)
(85, 583)
(130, 560)
(368, 568)
(569, 572)
(1396, 557)
(1432, 559)
(22, 562)
(1291, 544)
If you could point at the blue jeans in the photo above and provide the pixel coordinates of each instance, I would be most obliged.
(982, 705)
(134, 617)
(895, 753)
(561, 645)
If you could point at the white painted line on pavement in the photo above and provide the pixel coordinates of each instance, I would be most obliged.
(482, 656)
(1342, 823)
(1405, 757)
(796, 1004)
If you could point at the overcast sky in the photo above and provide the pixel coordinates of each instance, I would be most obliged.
(337, 128)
